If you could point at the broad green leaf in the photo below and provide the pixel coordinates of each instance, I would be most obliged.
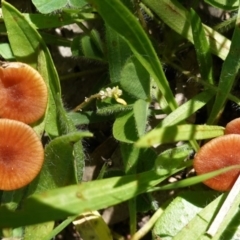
(226, 82)
(73, 200)
(6, 51)
(88, 46)
(146, 160)
(197, 227)
(177, 17)
(185, 206)
(140, 111)
(66, 126)
(45, 6)
(173, 158)
(118, 52)
(58, 169)
(47, 70)
(20, 32)
(87, 117)
(202, 48)
(137, 160)
(124, 128)
(177, 133)
(130, 155)
(135, 79)
(224, 4)
(118, 17)
(96, 39)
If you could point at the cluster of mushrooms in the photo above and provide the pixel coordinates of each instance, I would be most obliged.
(218, 153)
(23, 101)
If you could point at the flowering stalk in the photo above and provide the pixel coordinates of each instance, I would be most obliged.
(114, 92)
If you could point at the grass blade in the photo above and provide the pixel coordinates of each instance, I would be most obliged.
(228, 74)
(177, 133)
(73, 200)
(202, 48)
(177, 17)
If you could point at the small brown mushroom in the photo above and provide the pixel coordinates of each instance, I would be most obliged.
(21, 154)
(216, 154)
(23, 93)
(233, 127)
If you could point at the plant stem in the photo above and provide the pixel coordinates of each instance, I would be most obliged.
(147, 227)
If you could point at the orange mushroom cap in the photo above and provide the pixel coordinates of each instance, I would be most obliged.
(23, 93)
(233, 127)
(21, 154)
(216, 154)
